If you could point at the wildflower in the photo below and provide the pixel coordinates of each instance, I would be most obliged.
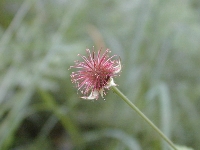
(96, 73)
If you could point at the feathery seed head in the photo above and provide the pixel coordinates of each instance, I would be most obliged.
(95, 73)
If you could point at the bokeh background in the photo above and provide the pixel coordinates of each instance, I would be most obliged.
(158, 42)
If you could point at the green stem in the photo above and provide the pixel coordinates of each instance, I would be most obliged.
(120, 94)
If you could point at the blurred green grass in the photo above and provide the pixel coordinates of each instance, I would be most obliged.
(158, 42)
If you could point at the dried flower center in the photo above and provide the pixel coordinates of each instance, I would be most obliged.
(99, 78)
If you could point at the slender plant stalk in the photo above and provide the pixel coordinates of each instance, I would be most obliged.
(120, 94)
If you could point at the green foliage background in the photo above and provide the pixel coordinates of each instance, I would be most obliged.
(158, 42)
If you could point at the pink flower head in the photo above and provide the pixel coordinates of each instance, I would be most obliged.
(95, 73)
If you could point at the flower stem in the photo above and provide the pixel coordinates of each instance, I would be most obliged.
(120, 94)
